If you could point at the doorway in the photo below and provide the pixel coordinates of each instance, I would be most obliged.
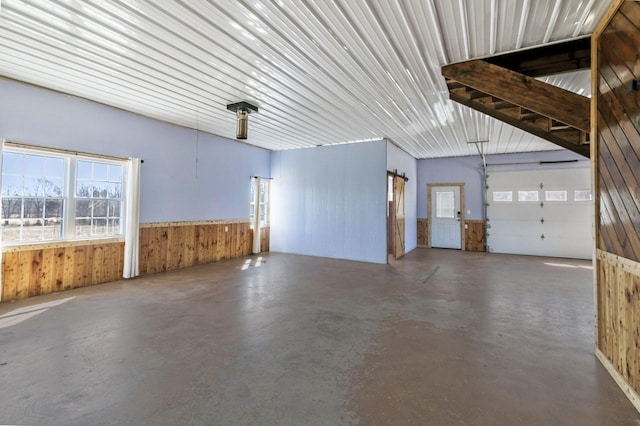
(445, 204)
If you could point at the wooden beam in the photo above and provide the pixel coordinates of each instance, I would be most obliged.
(554, 58)
(519, 89)
(526, 126)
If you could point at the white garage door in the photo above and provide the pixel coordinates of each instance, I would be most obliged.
(541, 212)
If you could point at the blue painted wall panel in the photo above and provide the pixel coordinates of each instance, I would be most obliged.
(330, 201)
(185, 176)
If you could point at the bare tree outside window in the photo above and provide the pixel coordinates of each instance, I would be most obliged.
(32, 197)
(35, 196)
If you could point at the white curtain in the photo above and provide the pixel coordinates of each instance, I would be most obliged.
(1, 150)
(132, 220)
(256, 215)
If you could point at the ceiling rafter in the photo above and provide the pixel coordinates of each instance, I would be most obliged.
(502, 87)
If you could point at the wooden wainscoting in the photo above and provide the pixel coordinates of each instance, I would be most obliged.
(475, 235)
(618, 309)
(33, 270)
(168, 246)
(423, 232)
(264, 239)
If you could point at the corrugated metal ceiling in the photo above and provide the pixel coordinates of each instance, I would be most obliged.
(321, 71)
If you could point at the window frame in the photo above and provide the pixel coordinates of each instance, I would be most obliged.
(42, 197)
(69, 196)
(447, 211)
(104, 199)
(589, 191)
(531, 191)
(548, 192)
(265, 202)
(494, 192)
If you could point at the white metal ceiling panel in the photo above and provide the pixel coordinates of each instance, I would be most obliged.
(320, 71)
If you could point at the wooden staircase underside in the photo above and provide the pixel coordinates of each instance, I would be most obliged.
(514, 96)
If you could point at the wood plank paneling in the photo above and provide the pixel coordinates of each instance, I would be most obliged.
(618, 115)
(616, 161)
(264, 239)
(28, 272)
(169, 246)
(45, 268)
(619, 314)
(423, 232)
(475, 236)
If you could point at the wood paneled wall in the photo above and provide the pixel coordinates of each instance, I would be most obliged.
(615, 119)
(619, 315)
(46, 268)
(167, 246)
(264, 239)
(423, 232)
(475, 236)
(619, 134)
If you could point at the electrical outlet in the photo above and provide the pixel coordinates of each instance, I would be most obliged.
(468, 212)
(226, 229)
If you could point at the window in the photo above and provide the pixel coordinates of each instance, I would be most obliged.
(558, 195)
(263, 199)
(582, 195)
(98, 199)
(445, 204)
(32, 197)
(502, 196)
(527, 195)
(54, 196)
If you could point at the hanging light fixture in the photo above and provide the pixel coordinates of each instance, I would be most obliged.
(242, 110)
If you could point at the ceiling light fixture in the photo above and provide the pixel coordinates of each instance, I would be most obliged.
(242, 110)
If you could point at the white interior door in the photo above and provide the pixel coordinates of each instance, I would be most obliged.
(540, 212)
(445, 217)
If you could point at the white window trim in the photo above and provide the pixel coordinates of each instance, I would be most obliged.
(69, 191)
(537, 200)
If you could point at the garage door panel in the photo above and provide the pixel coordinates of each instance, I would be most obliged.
(553, 246)
(526, 213)
(554, 225)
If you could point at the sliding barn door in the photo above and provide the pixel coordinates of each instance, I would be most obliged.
(398, 198)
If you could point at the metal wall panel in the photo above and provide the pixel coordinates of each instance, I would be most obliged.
(321, 72)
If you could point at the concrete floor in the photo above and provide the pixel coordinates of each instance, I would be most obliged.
(439, 338)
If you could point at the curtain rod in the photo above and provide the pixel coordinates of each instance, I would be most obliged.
(16, 144)
(256, 177)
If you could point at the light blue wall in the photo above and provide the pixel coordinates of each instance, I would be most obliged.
(330, 201)
(185, 176)
(404, 163)
(469, 171)
(327, 201)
